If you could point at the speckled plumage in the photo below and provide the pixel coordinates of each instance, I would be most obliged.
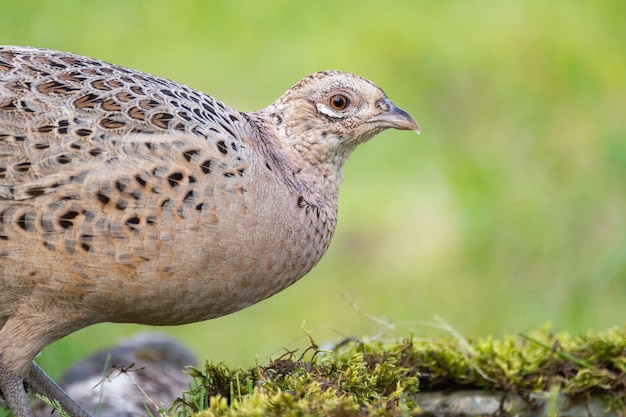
(126, 197)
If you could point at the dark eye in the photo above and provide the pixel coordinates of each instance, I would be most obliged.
(339, 102)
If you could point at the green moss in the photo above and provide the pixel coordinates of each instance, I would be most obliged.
(361, 379)
(383, 379)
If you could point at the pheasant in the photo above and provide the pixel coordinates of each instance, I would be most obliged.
(129, 198)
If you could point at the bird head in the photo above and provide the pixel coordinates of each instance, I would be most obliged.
(328, 113)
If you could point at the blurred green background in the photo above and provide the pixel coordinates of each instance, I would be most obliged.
(509, 211)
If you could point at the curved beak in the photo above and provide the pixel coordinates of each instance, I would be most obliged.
(393, 117)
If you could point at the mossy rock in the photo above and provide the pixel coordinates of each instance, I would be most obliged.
(538, 375)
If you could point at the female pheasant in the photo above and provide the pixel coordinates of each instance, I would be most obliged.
(125, 197)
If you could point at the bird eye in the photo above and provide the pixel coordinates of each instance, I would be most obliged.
(339, 102)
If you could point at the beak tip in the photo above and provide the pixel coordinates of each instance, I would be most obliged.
(413, 126)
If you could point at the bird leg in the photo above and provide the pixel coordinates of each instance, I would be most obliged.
(38, 381)
(13, 389)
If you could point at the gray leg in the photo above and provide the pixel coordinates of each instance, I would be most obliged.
(13, 389)
(38, 381)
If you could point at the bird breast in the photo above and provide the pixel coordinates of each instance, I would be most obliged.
(164, 232)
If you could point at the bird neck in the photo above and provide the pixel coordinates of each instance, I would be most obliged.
(310, 161)
(320, 171)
